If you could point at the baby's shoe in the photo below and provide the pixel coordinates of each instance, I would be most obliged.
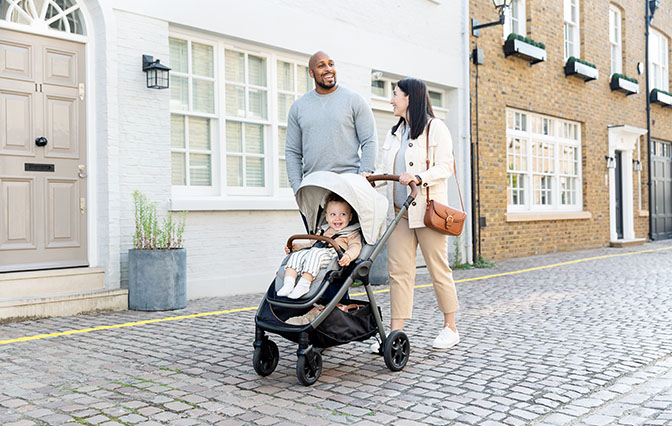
(287, 287)
(302, 287)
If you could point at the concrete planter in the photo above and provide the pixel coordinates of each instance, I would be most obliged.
(157, 279)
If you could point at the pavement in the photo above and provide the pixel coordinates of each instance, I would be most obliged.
(581, 338)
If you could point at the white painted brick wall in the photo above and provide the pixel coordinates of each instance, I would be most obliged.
(144, 122)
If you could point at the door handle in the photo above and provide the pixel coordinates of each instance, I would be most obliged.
(82, 171)
(41, 141)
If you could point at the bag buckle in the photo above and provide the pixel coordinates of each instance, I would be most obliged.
(449, 220)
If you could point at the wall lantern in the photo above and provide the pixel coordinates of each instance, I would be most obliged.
(500, 6)
(637, 165)
(157, 73)
(611, 163)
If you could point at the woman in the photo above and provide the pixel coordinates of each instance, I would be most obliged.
(404, 153)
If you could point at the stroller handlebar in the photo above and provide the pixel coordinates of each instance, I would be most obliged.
(395, 178)
(334, 244)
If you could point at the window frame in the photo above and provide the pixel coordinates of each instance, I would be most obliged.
(214, 128)
(659, 59)
(615, 29)
(576, 30)
(219, 196)
(383, 102)
(528, 137)
(520, 7)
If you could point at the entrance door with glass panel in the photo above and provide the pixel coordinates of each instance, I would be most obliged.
(43, 199)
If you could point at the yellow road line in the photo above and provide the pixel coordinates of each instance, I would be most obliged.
(230, 311)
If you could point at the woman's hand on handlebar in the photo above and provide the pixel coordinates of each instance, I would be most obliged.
(406, 178)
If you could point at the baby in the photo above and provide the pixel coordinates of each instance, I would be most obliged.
(311, 260)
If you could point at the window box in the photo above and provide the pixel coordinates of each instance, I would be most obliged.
(581, 69)
(624, 84)
(525, 48)
(661, 97)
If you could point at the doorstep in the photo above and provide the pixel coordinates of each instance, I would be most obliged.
(628, 243)
(29, 308)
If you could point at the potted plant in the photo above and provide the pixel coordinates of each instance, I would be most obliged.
(525, 48)
(581, 69)
(157, 265)
(624, 84)
(661, 97)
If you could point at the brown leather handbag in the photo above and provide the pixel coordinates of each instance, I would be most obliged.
(440, 217)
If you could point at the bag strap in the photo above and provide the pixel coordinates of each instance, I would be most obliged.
(454, 169)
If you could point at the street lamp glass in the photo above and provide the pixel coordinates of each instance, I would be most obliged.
(653, 6)
(501, 3)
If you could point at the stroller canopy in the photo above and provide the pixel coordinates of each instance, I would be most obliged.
(370, 205)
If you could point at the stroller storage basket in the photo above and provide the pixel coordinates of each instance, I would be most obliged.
(338, 327)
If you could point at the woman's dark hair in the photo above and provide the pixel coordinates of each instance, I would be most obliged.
(419, 106)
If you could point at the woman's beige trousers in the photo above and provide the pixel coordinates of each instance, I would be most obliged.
(401, 251)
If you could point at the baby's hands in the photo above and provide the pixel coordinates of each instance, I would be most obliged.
(287, 251)
(344, 260)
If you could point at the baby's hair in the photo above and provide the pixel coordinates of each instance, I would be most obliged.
(335, 198)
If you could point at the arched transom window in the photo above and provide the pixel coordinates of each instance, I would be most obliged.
(59, 15)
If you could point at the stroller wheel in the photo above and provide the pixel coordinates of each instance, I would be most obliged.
(265, 358)
(306, 371)
(396, 350)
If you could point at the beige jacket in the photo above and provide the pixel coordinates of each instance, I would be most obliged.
(435, 178)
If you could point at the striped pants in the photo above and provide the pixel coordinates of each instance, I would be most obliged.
(310, 260)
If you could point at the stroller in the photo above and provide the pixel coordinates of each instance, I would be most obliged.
(341, 320)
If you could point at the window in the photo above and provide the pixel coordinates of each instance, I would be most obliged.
(293, 81)
(543, 163)
(229, 107)
(192, 105)
(514, 19)
(572, 29)
(658, 67)
(59, 15)
(382, 89)
(615, 40)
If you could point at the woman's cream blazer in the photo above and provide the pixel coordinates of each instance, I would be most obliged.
(435, 178)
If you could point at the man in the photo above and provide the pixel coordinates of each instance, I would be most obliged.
(328, 126)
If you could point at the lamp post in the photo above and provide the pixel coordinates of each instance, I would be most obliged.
(651, 7)
(477, 58)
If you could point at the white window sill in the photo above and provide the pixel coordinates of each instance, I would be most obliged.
(232, 204)
(539, 216)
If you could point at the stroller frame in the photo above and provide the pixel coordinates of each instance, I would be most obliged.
(395, 347)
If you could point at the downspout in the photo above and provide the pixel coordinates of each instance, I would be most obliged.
(467, 157)
(647, 24)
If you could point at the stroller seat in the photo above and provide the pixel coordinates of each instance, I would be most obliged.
(319, 280)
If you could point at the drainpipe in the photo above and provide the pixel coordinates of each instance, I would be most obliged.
(647, 24)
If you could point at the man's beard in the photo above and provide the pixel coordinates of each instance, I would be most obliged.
(326, 86)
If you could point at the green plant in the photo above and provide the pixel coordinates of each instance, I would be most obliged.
(148, 234)
(581, 61)
(526, 40)
(616, 75)
(661, 91)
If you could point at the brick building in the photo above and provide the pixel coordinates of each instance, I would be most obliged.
(562, 158)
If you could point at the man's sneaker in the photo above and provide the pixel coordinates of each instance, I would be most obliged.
(447, 338)
(375, 347)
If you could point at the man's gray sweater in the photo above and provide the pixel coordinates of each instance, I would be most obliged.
(325, 132)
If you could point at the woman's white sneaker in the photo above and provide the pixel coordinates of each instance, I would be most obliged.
(446, 339)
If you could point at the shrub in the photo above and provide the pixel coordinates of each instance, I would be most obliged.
(148, 234)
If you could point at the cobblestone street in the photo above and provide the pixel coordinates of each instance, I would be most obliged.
(588, 341)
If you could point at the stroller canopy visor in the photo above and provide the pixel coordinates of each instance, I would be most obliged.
(370, 205)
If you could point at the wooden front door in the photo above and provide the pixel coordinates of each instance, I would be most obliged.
(42, 153)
